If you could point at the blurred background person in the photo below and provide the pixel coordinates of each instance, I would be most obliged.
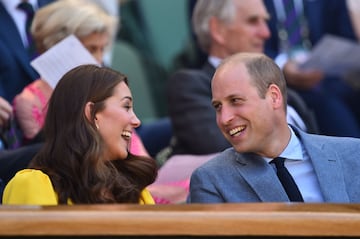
(51, 24)
(16, 46)
(296, 26)
(16, 52)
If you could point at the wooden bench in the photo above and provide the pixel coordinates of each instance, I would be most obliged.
(182, 221)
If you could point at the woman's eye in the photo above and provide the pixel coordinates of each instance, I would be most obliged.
(128, 107)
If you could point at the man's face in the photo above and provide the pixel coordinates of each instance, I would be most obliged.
(248, 31)
(245, 119)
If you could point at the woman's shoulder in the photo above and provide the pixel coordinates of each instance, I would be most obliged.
(146, 197)
(29, 175)
(31, 187)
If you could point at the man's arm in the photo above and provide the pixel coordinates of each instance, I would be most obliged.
(202, 190)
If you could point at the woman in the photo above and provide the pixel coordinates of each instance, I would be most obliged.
(52, 23)
(85, 158)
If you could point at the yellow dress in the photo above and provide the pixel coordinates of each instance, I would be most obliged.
(33, 187)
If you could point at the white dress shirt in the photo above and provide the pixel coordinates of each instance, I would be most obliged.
(299, 165)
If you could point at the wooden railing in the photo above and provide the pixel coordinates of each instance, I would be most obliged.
(205, 220)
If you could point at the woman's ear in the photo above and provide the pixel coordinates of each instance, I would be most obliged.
(88, 109)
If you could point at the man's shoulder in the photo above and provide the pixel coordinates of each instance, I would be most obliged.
(326, 138)
(333, 142)
(205, 72)
(222, 159)
(191, 74)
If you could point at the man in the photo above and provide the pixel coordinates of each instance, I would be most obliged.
(249, 97)
(15, 70)
(222, 28)
(296, 26)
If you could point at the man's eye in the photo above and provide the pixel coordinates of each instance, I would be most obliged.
(236, 100)
(217, 107)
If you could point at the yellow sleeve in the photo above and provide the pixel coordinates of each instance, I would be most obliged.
(146, 198)
(30, 187)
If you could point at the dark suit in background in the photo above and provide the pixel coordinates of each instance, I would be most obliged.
(15, 69)
(332, 100)
(323, 16)
(192, 114)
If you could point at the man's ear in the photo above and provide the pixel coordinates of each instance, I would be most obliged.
(275, 96)
(216, 30)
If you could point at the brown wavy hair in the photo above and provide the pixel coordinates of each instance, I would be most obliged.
(73, 156)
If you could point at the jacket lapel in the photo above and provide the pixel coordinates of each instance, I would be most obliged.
(12, 39)
(327, 166)
(208, 69)
(261, 177)
(9, 34)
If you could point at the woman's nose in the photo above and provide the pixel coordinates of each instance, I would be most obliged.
(135, 121)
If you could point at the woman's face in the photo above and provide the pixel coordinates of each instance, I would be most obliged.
(96, 44)
(116, 122)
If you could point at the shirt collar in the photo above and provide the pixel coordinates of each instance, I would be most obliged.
(293, 150)
(214, 61)
(10, 5)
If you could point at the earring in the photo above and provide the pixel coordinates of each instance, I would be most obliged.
(97, 126)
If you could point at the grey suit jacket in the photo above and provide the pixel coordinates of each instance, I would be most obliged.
(234, 177)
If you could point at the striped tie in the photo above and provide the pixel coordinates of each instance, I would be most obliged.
(29, 12)
(292, 24)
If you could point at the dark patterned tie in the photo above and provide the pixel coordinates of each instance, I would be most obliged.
(29, 12)
(287, 180)
(292, 24)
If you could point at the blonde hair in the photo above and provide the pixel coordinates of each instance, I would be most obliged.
(62, 18)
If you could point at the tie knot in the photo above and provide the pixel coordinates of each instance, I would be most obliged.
(27, 8)
(279, 162)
